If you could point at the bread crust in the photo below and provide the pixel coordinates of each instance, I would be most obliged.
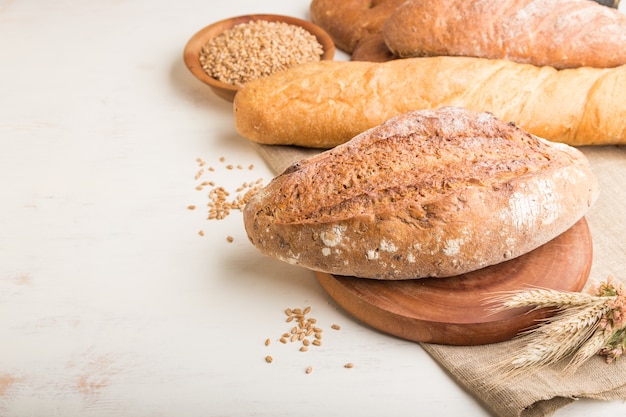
(324, 104)
(372, 48)
(348, 22)
(427, 194)
(558, 33)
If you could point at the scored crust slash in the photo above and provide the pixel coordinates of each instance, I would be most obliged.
(431, 193)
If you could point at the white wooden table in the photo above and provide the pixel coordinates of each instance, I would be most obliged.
(111, 303)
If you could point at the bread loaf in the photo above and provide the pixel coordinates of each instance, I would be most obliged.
(559, 33)
(428, 193)
(349, 21)
(324, 104)
(356, 26)
(372, 48)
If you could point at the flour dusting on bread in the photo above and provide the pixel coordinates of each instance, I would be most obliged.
(428, 193)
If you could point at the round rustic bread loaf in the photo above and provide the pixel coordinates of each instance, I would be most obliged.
(430, 193)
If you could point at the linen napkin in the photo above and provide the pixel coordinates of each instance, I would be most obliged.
(541, 393)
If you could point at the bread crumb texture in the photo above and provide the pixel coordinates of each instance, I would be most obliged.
(428, 193)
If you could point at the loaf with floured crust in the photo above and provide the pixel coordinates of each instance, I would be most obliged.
(356, 26)
(323, 104)
(430, 193)
(558, 33)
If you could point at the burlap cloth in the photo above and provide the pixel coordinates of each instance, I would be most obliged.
(542, 393)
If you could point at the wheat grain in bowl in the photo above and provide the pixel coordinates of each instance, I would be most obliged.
(227, 54)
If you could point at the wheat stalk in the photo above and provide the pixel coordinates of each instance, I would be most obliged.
(576, 319)
(539, 298)
(558, 337)
(588, 349)
(584, 325)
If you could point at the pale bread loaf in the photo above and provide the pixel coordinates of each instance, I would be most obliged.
(326, 103)
(427, 194)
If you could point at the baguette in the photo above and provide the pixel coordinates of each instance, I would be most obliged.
(323, 104)
(430, 193)
(558, 33)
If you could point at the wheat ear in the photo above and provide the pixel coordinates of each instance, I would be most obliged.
(587, 350)
(539, 298)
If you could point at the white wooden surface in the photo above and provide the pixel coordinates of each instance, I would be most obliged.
(111, 303)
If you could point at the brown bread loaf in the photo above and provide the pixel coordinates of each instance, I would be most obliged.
(348, 22)
(429, 193)
(558, 33)
(356, 26)
(324, 104)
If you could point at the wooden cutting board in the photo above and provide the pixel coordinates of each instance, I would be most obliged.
(455, 310)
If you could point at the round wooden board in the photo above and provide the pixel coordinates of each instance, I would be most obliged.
(456, 310)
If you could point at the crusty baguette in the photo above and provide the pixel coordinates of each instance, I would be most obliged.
(429, 193)
(559, 33)
(323, 104)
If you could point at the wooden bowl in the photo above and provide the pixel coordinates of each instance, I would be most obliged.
(194, 46)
